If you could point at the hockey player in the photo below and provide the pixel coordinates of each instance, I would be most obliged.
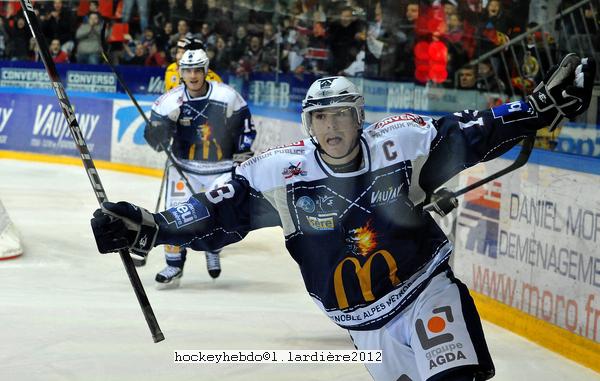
(350, 204)
(211, 128)
(172, 77)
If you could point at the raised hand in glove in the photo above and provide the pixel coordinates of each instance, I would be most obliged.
(566, 90)
(124, 226)
(158, 133)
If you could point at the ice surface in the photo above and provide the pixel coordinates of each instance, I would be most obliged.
(68, 313)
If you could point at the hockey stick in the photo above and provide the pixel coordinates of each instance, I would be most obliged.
(444, 200)
(162, 187)
(137, 105)
(88, 163)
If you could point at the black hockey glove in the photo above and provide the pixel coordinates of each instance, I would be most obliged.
(566, 90)
(158, 134)
(124, 225)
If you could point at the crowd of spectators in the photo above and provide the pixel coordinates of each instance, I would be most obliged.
(403, 40)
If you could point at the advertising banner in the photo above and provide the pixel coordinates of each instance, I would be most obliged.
(128, 144)
(24, 78)
(88, 78)
(36, 124)
(530, 240)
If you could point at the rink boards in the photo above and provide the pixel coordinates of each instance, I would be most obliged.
(526, 244)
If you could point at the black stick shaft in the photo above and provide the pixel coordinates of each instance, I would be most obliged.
(88, 163)
(162, 187)
(139, 108)
(518, 163)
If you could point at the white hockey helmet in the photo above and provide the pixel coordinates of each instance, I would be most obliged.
(332, 92)
(194, 59)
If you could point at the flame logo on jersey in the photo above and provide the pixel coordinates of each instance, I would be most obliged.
(363, 240)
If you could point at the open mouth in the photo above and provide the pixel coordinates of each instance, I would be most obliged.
(334, 140)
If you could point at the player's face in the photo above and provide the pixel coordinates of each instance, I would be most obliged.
(336, 130)
(194, 79)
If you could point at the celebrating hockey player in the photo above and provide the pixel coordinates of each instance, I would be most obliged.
(211, 128)
(350, 202)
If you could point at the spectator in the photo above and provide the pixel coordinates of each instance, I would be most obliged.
(58, 55)
(183, 31)
(493, 27)
(219, 18)
(467, 78)
(450, 8)
(148, 38)
(458, 42)
(381, 46)
(206, 35)
(162, 37)
(270, 41)
(405, 58)
(4, 40)
(488, 80)
(318, 50)
(240, 43)
(58, 23)
(88, 41)
(298, 51)
(20, 37)
(311, 11)
(93, 8)
(253, 55)
(137, 55)
(142, 8)
(344, 40)
(155, 57)
(222, 59)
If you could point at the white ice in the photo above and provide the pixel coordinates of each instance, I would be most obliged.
(68, 313)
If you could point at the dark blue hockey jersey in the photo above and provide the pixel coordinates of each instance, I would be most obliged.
(364, 245)
(211, 128)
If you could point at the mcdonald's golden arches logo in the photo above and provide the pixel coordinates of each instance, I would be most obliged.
(363, 273)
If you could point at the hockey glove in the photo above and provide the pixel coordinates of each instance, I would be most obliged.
(124, 225)
(158, 134)
(565, 91)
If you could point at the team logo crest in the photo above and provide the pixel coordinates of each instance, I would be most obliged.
(293, 170)
(306, 203)
(325, 83)
(325, 203)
